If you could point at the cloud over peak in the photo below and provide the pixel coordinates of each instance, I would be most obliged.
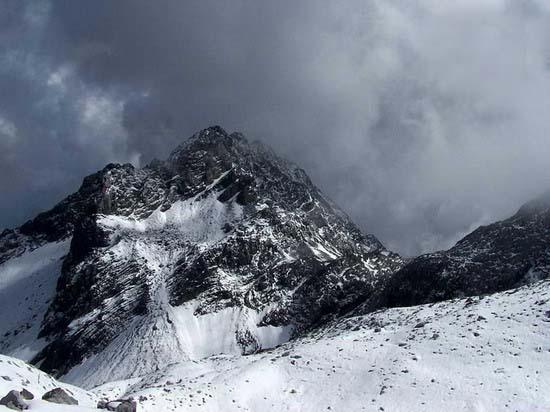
(420, 118)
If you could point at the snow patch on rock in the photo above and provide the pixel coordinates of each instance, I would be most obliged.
(199, 220)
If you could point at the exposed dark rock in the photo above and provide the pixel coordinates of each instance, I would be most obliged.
(126, 406)
(120, 405)
(105, 404)
(27, 394)
(14, 400)
(59, 395)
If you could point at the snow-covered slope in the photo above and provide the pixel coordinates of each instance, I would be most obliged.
(474, 354)
(18, 375)
(27, 285)
(222, 248)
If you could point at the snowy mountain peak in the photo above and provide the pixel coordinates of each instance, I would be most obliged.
(212, 152)
(151, 283)
(211, 135)
(222, 248)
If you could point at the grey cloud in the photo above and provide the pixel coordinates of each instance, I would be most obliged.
(421, 119)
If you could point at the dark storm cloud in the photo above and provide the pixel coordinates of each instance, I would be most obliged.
(421, 119)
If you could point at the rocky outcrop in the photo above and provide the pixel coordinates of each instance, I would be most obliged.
(59, 395)
(120, 405)
(14, 400)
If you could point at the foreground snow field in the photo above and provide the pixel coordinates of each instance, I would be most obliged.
(17, 375)
(477, 354)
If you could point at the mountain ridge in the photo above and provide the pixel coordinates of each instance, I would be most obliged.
(222, 232)
(502, 255)
(222, 249)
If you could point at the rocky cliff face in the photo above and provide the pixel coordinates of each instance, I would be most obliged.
(223, 247)
(492, 258)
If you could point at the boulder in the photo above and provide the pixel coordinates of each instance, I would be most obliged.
(105, 404)
(27, 394)
(119, 405)
(14, 400)
(58, 395)
(127, 406)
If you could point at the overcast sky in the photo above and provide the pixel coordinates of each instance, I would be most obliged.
(422, 119)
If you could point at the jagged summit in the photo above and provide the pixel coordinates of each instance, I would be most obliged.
(538, 206)
(207, 154)
(224, 247)
(209, 136)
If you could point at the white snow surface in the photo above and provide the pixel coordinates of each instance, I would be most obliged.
(27, 284)
(214, 333)
(17, 375)
(198, 220)
(172, 335)
(477, 354)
